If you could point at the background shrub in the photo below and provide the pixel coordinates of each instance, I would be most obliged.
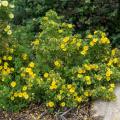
(84, 14)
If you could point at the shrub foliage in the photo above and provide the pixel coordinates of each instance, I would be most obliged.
(58, 68)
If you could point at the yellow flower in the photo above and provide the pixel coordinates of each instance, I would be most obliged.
(59, 97)
(95, 32)
(78, 44)
(24, 56)
(11, 15)
(79, 99)
(86, 93)
(98, 77)
(104, 40)
(88, 82)
(13, 84)
(15, 94)
(66, 39)
(11, 6)
(36, 42)
(87, 67)
(12, 98)
(70, 25)
(46, 75)
(22, 74)
(73, 41)
(12, 69)
(62, 46)
(50, 104)
(110, 63)
(81, 71)
(28, 70)
(113, 52)
(69, 86)
(25, 95)
(4, 57)
(112, 85)
(108, 78)
(64, 49)
(9, 58)
(108, 73)
(79, 75)
(57, 63)
(85, 48)
(20, 94)
(72, 90)
(31, 64)
(95, 40)
(87, 78)
(60, 31)
(115, 60)
(7, 28)
(9, 32)
(4, 3)
(110, 89)
(83, 52)
(92, 43)
(62, 104)
(24, 88)
(53, 85)
(89, 36)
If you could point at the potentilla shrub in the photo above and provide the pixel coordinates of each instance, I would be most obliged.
(74, 69)
(59, 68)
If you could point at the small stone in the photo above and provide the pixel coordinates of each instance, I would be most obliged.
(108, 110)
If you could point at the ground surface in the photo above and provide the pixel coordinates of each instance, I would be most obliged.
(36, 112)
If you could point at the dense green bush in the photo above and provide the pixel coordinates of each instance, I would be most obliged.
(84, 14)
(57, 68)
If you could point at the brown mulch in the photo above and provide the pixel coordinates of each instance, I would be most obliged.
(39, 112)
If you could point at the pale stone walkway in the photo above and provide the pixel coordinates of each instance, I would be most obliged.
(109, 110)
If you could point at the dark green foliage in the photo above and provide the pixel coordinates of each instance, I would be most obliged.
(84, 14)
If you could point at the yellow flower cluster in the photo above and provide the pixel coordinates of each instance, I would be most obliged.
(64, 43)
(88, 80)
(53, 85)
(23, 94)
(36, 42)
(28, 71)
(90, 66)
(104, 40)
(57, 63)
(93, 42)
(111, 88)
(24, 56)
(5, 69)
(8, 30)
(85, 49)
(108, 74)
